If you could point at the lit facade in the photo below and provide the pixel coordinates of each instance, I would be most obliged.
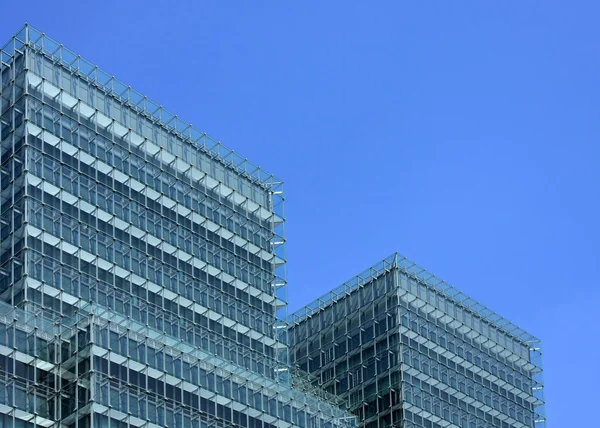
(142, 265)
(405, 349)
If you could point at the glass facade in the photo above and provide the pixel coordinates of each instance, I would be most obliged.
(405, 349)
(142, 263)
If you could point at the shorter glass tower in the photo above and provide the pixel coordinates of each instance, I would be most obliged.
(405, 349)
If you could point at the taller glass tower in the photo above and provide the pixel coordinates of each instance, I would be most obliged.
(142, 265)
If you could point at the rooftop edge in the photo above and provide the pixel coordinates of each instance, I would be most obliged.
(398, 261)
(28, 35)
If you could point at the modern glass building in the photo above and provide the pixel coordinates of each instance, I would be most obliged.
(142, 265)
(405, 349)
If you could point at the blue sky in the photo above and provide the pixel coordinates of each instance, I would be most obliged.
(463, 135)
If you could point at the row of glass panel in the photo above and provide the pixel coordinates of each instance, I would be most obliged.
(139, 165)
(454, 390)
(132, 252)
(481, 357)
(78, 178)
(131, 119)
(213, 337)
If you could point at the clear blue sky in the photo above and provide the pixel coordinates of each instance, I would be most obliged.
(464, 135)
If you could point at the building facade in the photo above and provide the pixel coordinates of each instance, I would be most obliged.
(142, 264)
(405, 349)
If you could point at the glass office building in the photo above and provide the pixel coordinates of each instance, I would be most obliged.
(405, 349)
(142, 265)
